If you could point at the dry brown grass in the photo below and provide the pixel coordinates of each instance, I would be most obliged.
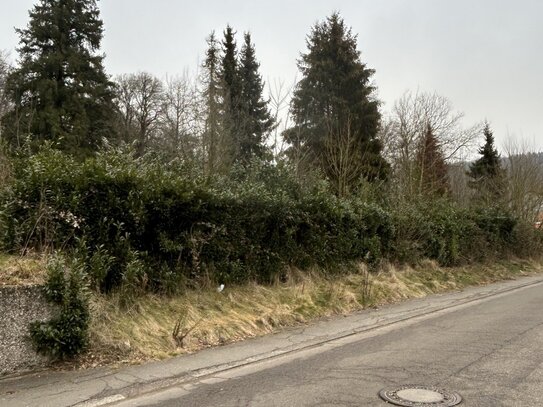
(144, 330)
(16, 270)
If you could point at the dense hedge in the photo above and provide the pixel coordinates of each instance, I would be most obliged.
(149, 225)
(450, 234)
(116, 210)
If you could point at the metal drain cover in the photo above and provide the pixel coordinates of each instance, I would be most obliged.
(420, 396)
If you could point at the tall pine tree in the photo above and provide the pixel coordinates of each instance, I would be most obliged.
(335, 95)
(60, 91)
(486, 172)
(255, 119)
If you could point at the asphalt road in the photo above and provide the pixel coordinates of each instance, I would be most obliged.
(491, 352)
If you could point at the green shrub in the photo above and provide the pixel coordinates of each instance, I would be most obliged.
(66, 334)
(497, 224)
(139, 213)
(448, 233)
(526, 240)
(248, 226)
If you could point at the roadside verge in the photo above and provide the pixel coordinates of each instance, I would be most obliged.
(105, 385)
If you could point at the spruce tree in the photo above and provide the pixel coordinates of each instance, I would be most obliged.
(59, 90)
(212, 84)
(432, 170)
(255, 120)
(486, 172)
(231, 94)
(335, 95)
(230, 69)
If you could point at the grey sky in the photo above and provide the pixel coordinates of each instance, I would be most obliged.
(486, 56)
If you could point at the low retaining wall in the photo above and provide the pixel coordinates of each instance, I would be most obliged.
(19, 306)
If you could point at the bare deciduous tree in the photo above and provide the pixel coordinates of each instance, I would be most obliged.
(403, 130)
(460, 190)
(19, 122)
(524, 179)
(179, 125)
(280, 97)
(343, 158)
(125, 101)
(140, 102)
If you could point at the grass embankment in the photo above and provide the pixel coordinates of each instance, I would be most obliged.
(16, 270)
(148, 329)
(155, 327)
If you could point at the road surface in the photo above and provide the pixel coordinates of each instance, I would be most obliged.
(490, 351)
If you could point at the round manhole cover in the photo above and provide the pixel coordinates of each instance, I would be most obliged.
(420, 396)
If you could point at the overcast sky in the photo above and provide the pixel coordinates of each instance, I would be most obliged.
(486, 56)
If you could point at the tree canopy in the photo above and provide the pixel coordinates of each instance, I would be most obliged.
(335, 95)
(59, 90)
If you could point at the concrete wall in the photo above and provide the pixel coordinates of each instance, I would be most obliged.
(19, 306)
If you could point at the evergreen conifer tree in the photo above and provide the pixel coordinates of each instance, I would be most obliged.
(335, 95)
(432, 169)
(231, 94)
(212, 83)
(230, 69)
(256, 120)
(486, 172)
(59, 90)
